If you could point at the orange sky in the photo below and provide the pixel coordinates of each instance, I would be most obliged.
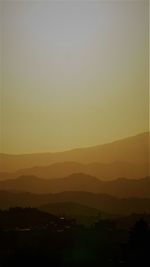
(72, 74)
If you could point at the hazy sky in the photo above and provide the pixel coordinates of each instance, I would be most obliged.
(73, 73)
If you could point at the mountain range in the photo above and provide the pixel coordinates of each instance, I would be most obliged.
(129, 152)
(102, 171)
(75, 203)
(79, 182)
(111, 178)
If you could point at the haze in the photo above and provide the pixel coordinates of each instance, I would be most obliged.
(73, 74)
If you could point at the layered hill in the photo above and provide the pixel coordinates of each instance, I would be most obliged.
(130, 150)
(70, 209)
(75, 203)
(103, 171)
(79, 182)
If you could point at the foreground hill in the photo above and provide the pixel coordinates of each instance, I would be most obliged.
(19, 218)
(133, 150)
(79, 182)
(81, 202)
(103, 171)
(69, 209)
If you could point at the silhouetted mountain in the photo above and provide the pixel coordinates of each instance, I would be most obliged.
(22, 199)
(25, 218)
(104, 203)
(79, 182)
(69, 209)
(133, 150)
(103, 171)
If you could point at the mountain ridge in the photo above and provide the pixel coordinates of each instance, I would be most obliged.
(102, 171)
(102, 202)
(79, 182)
(134, 149)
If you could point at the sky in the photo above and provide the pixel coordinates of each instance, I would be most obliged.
(73, 73)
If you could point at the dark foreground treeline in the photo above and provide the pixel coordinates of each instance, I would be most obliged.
(29, 237)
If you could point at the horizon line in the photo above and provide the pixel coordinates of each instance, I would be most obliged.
(76, 148)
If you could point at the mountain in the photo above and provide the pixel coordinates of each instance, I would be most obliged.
(75, 182)
(26, 219)
(22, 199)
(69, 209)
(133, 150)
(103, 171)
(61, 201)
(79, 182)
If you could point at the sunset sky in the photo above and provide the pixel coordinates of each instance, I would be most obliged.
(73, 73)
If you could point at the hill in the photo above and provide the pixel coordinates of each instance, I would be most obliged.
(69, 209)
(76, 202)
(103, 171)
(79, 182)
(133, 150)
(25, 218)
